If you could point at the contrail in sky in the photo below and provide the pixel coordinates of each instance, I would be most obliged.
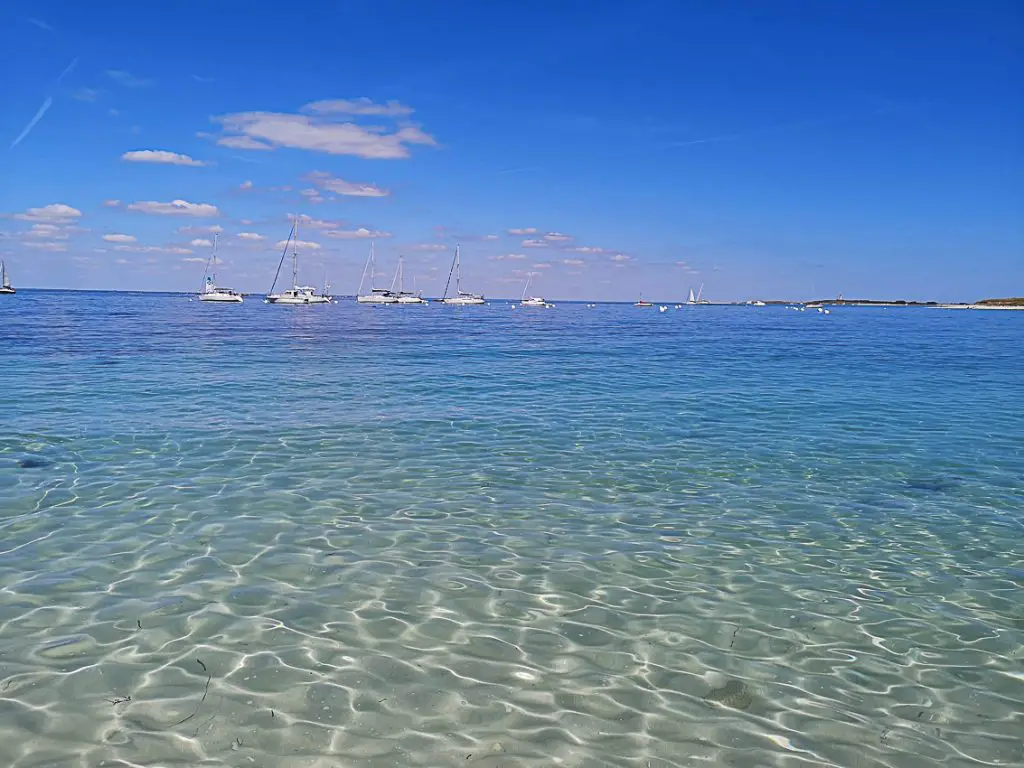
(47, 103)
(32, 123)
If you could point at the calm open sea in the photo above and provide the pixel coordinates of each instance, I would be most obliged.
(432, 536)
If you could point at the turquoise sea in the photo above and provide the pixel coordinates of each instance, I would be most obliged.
(433, 536)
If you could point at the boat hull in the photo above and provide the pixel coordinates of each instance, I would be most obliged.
(5, 291)
(222, 298)
(297, 300)
(411, 300)
(460, 301)
(376, 299)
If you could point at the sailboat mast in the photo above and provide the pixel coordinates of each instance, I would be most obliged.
(295, 254)
(458, 272)
(213, 258)
(526, 287)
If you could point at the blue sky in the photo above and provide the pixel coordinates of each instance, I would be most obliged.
(765, 149)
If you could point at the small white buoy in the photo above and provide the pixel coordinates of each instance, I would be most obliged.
(662, 309)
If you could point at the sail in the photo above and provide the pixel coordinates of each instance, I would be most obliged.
(691, 300)
(3, 273)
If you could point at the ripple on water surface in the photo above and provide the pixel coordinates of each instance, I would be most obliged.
(584, 537)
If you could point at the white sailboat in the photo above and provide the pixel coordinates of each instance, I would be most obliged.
(297, 294)
(403, 296)
(5, 281)
(210, 290)
(461, 297)
(376, 295)
(691, 299)
(532, 301)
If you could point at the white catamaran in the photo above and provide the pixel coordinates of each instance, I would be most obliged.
(210, 290)
(5, 281)
(376, 295)
(403, 296)
(461, 297)
(297, 294)
(532, 301)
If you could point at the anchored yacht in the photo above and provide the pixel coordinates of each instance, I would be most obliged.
(210, 290)
(297, 294)
(461, 297)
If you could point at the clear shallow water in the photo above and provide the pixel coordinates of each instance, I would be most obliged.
(429, 536)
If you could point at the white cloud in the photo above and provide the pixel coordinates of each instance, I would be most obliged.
(340, 186)
(116, 238)
(510, 257)
(55, 213)
(45, 245)
(194, 259)
(85, 94)
(242, 142)
(160, 156)
(573, 262)
(318, 133)
(430, 247)
(621, 257)
(361, 106)
(152, 249)
(309, 221)
(534, 244)
(557, 237)
(247, 184)
(175, 208)
(111, 203)
(191, 229)
(250, 236)
(127, 79)
(304, 245)
(541, 265)
(312, 195)
(523, 231)
(586, 249)
(490, 237)
(352, 234)
(48, 232)
(200, 242)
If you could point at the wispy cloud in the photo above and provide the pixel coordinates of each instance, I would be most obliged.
(573, 262)
(192, 229)
(523, 231)
(309, 221)
(201, 242)
(47, 103)
(430, 247)
(361, 106)
(621, 257)
(331, 183)
(586, 249)
(509, 257)
(201, 79)
(247, 184)
(355, 234)
(250, 236)
(305, 245)
(48, 232)
(161, 157)
(535, 244)
(40, 23)
(45, 246)
(118, 238)
(175, 208)
(85, 94)
(111, 203)
(557, 237)
(55, 213)
(127, 79)
(324, 129)
(153, 249)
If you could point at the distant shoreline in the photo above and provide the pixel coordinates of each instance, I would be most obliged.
(1011, 303)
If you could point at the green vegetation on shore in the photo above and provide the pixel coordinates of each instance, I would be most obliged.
(1015, 301)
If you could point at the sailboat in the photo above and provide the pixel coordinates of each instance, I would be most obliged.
(376, 295)
(403, 296)
(691, 300)
(461, 297)
(5, 281)
(297, 294)
(533, 301)
(643, 303)
(210, 290)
